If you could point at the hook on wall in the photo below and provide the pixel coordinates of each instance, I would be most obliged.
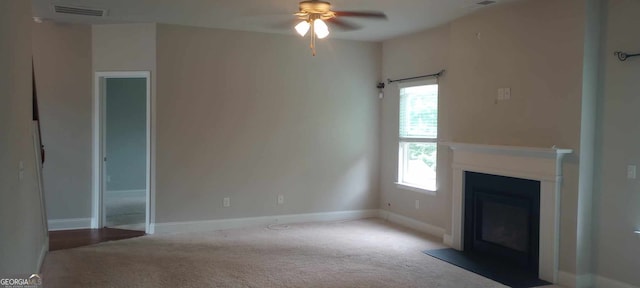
(622, 56)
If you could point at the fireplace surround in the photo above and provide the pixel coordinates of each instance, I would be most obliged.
(538, 164)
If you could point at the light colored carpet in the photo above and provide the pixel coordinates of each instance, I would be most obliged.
(362, 253)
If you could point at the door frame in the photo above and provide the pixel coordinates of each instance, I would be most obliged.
(98, 145)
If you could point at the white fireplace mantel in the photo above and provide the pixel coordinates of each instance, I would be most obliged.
(540, 164)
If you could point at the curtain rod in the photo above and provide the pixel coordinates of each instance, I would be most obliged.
(622, 56)
(436, 75)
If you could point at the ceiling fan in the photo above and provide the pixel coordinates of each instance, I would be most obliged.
(314, 13)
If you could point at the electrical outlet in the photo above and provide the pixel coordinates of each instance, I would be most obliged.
(417, 204)
(21, 170)
(226, 202)
(280, 199)
(631, 172)
(108, 178)
(500, 94)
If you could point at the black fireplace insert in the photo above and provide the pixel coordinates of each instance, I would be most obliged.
(502, 219)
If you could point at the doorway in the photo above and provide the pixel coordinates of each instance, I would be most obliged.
(121, 173)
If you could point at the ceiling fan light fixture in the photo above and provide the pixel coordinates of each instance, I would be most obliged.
(321, 29)
(314, 13)
(302, 28)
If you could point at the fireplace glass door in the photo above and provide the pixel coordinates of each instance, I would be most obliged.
(502, 217)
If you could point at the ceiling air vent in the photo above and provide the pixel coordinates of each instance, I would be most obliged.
(485, 3)
(79, 11)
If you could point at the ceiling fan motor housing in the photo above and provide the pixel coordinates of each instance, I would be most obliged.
(315, 9)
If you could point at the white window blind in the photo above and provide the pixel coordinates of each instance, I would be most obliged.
(419, 111)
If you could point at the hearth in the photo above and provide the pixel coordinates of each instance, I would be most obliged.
(501, 219)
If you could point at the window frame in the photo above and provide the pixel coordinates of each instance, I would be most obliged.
(403, 142)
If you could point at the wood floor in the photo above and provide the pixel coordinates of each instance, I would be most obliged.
(67, 239)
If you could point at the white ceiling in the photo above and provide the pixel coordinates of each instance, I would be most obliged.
(405, 16)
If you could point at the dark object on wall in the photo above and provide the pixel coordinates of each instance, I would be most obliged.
(36, 112)
(622, 56)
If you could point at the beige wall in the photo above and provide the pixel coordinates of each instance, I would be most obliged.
(253, 115)
(618, 198)
(532, 47)
(124, 47)
(62, 59)
(22, 235)
(341, 182)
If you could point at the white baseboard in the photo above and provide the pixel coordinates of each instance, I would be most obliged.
(571, 280)
(43, 253)
(222, 224)
(125, 193)
(584, 281)
(567, 279)
(412, 223)
(69, 224)
(610, 283)
(447, 240)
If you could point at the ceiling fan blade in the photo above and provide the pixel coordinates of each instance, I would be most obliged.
(363, 14)
(343, 25)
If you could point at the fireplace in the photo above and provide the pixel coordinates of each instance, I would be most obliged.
(502, 219)
(540, 165)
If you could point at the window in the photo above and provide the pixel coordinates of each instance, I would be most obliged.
(418, 139)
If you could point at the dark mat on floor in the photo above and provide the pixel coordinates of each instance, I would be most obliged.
(490, 268)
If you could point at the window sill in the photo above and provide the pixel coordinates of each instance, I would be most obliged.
(415, 189)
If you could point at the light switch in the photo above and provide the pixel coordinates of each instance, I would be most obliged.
(500, 94)
(631, 172)
(507, 93)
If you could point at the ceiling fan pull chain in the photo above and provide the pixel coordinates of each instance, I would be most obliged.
(313, 38)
